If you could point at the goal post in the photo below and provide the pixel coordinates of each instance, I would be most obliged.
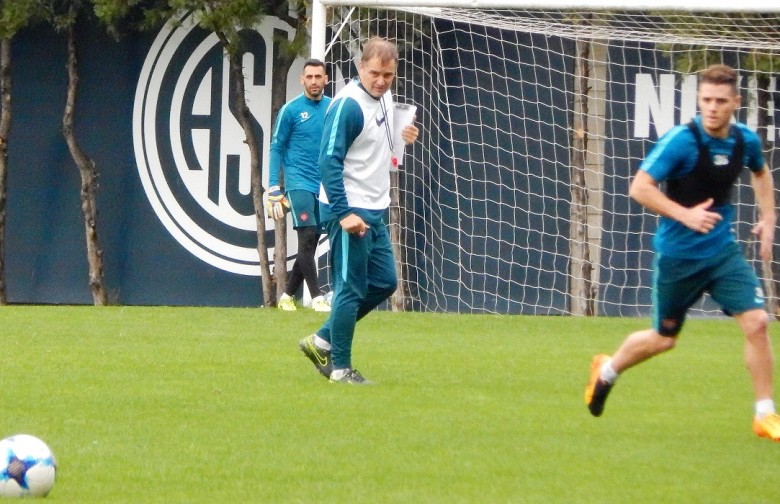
(534, 117)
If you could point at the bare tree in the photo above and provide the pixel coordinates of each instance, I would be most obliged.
(5, 130)
(13, 17)
(582, 293)
(65, 16)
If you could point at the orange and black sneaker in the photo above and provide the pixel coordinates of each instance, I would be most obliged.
(768, 426)
(597, 390)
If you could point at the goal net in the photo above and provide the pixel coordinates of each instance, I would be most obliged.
(533, 122)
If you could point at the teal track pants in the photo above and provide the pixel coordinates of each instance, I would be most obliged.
(363, 276)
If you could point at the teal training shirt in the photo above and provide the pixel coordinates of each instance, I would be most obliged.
(675, 155)
(296, 142)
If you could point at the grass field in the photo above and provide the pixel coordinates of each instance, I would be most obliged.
(190, 405)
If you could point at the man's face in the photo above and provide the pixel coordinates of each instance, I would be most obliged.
(717, 104)
(376, 76)
(313, 80)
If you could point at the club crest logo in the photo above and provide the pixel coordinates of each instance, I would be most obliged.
(720, 160)
(669, 324)
(189, 146)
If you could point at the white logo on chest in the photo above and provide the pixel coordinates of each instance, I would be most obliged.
(720, 160)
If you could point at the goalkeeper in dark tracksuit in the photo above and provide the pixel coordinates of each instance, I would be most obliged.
(356, 156)
(294, 145)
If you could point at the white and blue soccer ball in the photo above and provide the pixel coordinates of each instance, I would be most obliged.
(27, 467)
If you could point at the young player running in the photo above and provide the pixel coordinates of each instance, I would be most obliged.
(696, 250)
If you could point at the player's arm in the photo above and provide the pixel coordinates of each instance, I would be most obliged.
(279, 142)
(645, 191)
(764, 188)
(275, 201)
(343, 123)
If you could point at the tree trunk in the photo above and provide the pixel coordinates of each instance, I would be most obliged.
(281, 68)
(89, 176)
(399, 297)
(252, 141)
(581, 268)
(5, 128)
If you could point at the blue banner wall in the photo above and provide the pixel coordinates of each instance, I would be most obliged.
(45, 238)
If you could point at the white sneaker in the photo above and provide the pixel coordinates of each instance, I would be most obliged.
(286, 303)
(319, 304)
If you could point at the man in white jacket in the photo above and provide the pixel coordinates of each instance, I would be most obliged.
(356, 156)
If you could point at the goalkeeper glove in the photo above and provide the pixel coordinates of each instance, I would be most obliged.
(276, 203)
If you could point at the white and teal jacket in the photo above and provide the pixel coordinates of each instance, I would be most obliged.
(356, 155)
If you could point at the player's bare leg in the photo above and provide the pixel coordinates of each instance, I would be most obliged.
(758, 351)
(636, 348)
(640, 346)
(759, 360)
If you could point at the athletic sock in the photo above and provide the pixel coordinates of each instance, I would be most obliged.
(608, 373)
(764, 407)
(337, 374)
(321, 343)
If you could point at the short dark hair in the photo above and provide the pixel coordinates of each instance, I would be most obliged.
(377, 47)
(720, 74)
(316, 63)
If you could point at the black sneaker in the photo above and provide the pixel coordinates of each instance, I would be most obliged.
(597, 390)
(600, 393)
(352, 376)
(320, 357)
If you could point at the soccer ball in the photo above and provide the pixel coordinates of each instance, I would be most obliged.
(27, 467)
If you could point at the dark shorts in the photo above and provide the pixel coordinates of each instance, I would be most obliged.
(304, 208)
(679, 283)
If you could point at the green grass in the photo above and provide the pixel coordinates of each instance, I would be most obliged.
(189, 405)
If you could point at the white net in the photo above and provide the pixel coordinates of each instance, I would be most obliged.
(533, 122)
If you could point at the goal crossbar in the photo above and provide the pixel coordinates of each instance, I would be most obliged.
(623, 5)
(440, 8)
